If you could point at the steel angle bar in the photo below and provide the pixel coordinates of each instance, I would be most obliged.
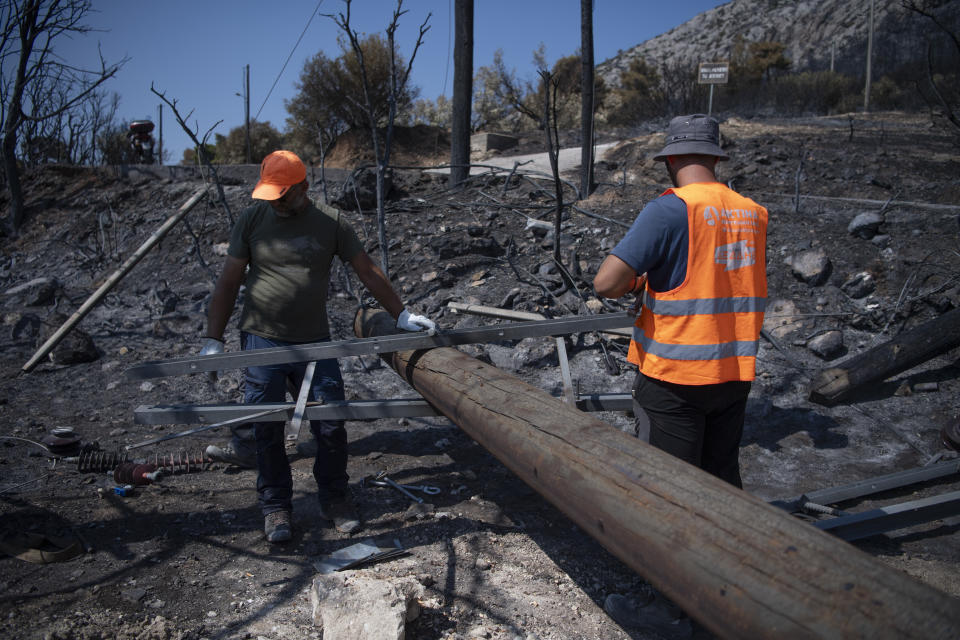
(346, 410)
(379, 345)
(870, 486)
(605, 402)
(899, 516)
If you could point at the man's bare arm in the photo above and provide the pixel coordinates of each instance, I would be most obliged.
(376, 282)
(615, 278)
(225, 296)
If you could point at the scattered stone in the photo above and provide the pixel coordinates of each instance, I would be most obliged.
(74, 348)
(881, 240)
(865, 225)
(827, 345)
(859, 285)
(812, 267)
(352, 605)
(781, 319)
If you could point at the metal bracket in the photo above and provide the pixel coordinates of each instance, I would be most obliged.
(378, 345)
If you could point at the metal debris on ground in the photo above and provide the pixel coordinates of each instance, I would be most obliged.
(365, 552)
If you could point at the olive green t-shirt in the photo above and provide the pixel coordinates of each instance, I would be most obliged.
(289, 269)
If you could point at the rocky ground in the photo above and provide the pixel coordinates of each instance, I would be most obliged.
(487, 557)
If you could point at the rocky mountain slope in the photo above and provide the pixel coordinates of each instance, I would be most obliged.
(812, 30)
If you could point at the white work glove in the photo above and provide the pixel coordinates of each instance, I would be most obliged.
(211, 347)
(410, 322)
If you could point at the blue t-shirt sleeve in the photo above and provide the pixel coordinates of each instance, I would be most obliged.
(657, 243)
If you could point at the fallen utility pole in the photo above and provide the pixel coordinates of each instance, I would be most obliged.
(112, 281)
(907, 350)
(377, 345)
(741, 567)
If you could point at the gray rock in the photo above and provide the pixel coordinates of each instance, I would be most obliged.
(75, 347)
(350, 605)
(866, 225)
(827, 345)
(813, 266)
(37, 292)
(882, 240)
(859, 285)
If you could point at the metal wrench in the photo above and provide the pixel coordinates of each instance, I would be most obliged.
(404, 489)
(401, 489)
(424, 488)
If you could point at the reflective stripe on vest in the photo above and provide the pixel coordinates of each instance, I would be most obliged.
(740, 349)
(702, 306)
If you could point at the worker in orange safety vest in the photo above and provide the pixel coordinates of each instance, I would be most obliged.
(697, 256)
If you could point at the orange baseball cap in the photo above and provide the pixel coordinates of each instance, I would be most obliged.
(278, 172)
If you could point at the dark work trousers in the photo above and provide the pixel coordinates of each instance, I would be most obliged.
(269, 384)
(700, 424)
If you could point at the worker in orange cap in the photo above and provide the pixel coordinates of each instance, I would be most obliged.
(281, 248)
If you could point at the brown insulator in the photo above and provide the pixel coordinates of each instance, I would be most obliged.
(135, 474)
(179, 462)
(99, 461)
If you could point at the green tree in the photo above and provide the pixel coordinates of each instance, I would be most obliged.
(232, 148)
(190, 155)
(329, 98)
(437, 113)
(640, 96)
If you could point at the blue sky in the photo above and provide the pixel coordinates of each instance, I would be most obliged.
(195, 51)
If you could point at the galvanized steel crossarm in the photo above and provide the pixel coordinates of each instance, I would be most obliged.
(378, 345)
(344, 410)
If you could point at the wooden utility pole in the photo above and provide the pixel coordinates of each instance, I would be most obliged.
(866, 90)
(462, 92)
(160, 134)
(586, 97)
(246, 109)
(741, 567)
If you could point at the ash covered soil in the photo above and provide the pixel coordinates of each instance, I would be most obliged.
(186, 558)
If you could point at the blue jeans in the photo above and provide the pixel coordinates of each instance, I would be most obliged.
(269, 384)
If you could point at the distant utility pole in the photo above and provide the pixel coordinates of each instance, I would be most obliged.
(586, 97)
(866, 91)
(246, 107)
(160, 134)
(462, 92)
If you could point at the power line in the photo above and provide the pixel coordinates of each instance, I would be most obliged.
(257, 117)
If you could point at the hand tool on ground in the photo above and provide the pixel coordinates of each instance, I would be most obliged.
(292, 431)
(424, 488)
(382, 476)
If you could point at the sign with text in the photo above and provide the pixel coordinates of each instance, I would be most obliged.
(713, 73)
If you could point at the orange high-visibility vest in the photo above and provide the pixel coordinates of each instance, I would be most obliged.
(707, 330)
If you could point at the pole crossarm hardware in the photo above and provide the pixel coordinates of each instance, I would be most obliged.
(741, 567)
(344, 410)
(378, 345)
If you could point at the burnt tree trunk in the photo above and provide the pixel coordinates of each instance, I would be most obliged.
(907, 350)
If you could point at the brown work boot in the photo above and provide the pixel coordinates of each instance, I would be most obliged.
(342, 513)
(276, 526)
